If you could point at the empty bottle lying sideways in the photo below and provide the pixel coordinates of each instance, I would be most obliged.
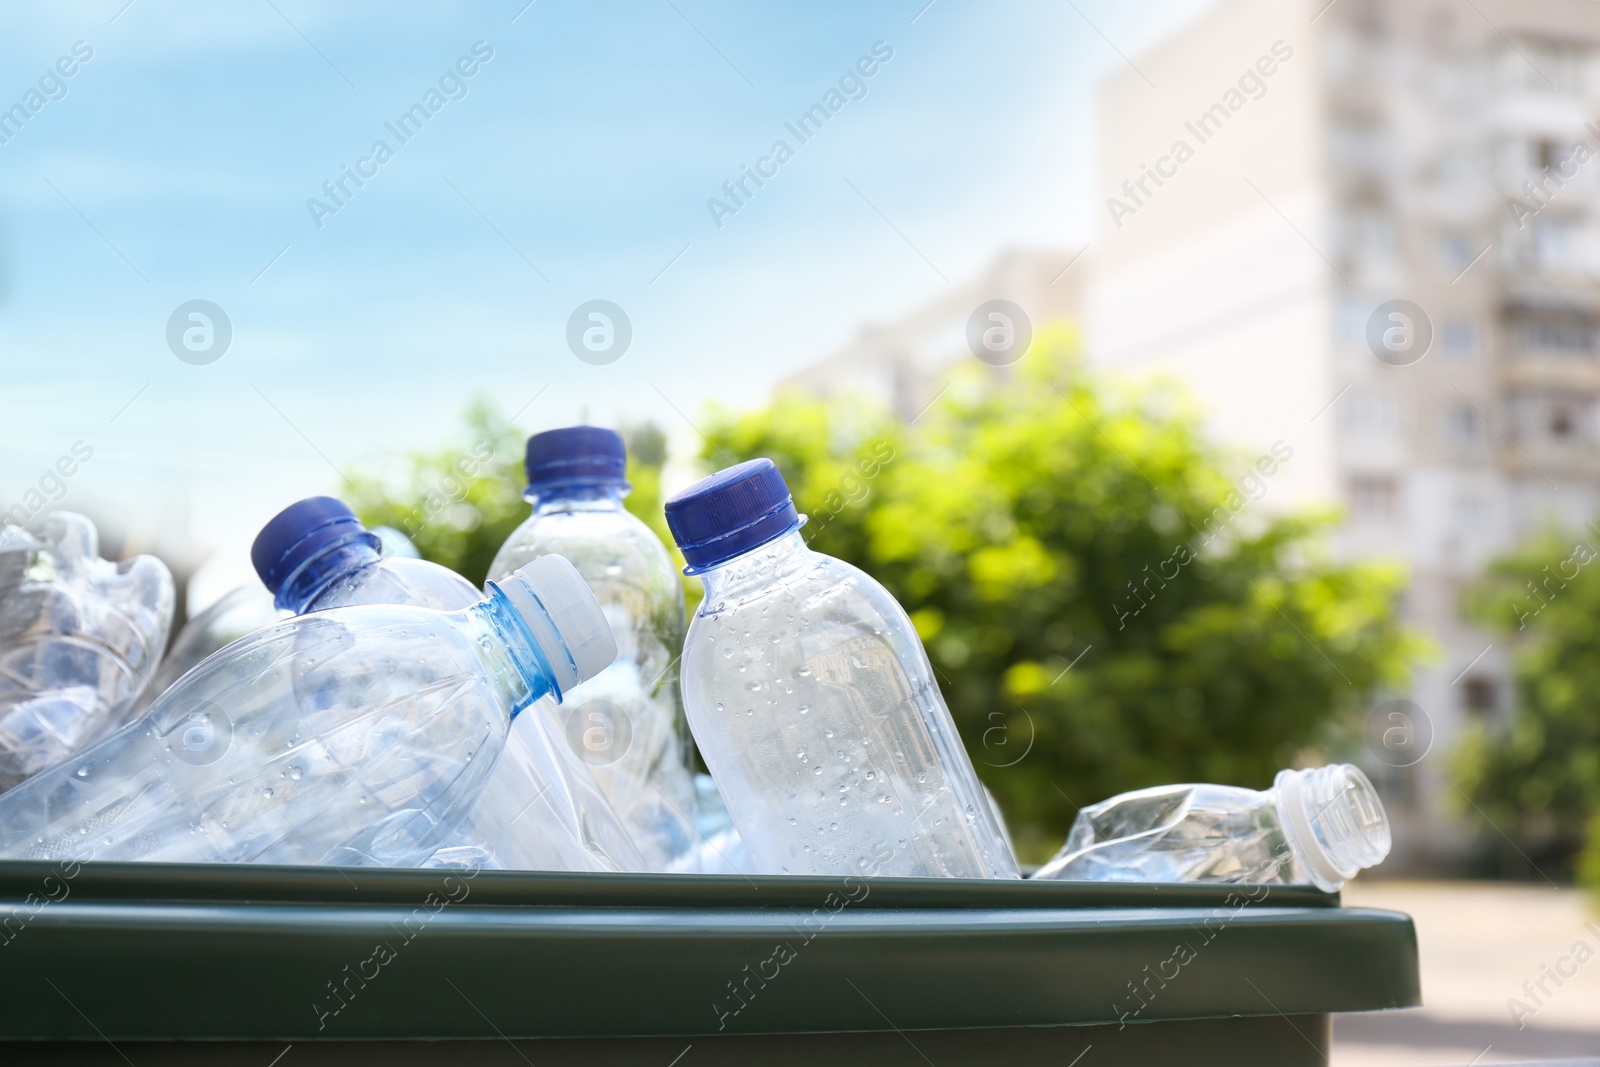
(1319, 826)
(626, 725)
(540, 809)
(78, 637)
(813, 702)
(352, 736)
(240, 612)
(243, 611)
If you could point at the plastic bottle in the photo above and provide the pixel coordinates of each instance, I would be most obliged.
(79, 636)
(813, 703)
(316, 555)
(626, 724)
(240, 612)
(253, 607)
(1319, 826)
(720, 850)
(351, 736)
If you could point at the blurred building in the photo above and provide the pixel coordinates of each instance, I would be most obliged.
(1369, 230)
(902, 364)
(1372, 231)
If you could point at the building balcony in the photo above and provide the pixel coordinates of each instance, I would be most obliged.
(1574, 371)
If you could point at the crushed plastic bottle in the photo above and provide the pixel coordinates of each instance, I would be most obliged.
(1319, 826)
(626, 724)
(814, 704)
(348, 736)
(79, 637)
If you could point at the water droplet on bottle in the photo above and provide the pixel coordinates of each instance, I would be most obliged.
(804, 708)
(833, 826)
(804, 672)
(720, 707)
(827, 733)
(794, 822)
(817, 771)
(83, 772)
(267, 793)
(295, 773)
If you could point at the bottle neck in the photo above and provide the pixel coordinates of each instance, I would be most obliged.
(1333, 821)
(333, 563)
(578, 496)
(781, 558)
(508, 647)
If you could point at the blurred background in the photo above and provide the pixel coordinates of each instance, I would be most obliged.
(1216, 382)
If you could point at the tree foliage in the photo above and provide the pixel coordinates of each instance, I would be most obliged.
(1536, 778)
(1105, 605)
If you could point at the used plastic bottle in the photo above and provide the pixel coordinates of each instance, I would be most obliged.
(720, 849)
(240, 612)
(1319, 826)
(79, 636)
(316, 555)
(350, 736)
(813, 703)
(250, 608)
(626, 724)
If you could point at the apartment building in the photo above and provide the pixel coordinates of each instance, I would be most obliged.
(1382, 246)
(1370, 230)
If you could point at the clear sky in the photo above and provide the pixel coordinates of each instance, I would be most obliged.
(574, 163)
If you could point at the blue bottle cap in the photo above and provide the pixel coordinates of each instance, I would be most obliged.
(299, 532)
(575, 455)
(731, 512)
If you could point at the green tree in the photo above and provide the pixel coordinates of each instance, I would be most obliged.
(1536, 779)
(459, 504)
(1103, 606)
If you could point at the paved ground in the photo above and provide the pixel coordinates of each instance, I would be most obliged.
(1479, 944)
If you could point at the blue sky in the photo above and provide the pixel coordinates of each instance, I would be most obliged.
(576, 166)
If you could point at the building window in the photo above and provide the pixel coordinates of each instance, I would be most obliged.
(1374, 498)
(1543, 64)
(1365, 236)
(1370, 415)
(1480, 696)
(1455, 251)
(1464, 428)
(1553, 418)
(1459, 340)
(1554, 332)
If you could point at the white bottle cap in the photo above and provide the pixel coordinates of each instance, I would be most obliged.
(1334, 822)
(566, 620)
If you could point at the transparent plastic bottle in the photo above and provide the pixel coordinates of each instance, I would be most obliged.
(626, 724)
(1319, 826)
(316, 555)
(813, 703)
(240, 612)
(720, 850)
(352, 736)
(79, 637)
(250, 608)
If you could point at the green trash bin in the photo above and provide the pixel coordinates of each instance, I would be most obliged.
(157, 964)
